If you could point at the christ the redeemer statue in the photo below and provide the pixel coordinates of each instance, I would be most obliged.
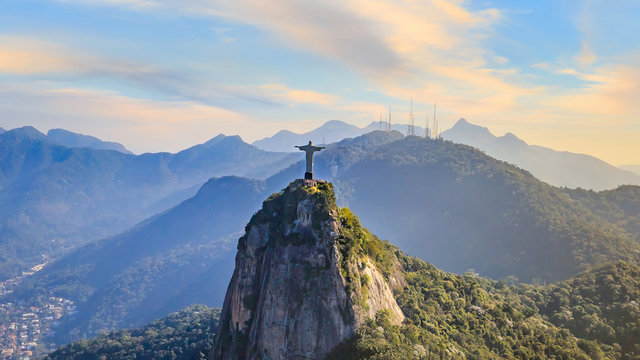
(309, 149)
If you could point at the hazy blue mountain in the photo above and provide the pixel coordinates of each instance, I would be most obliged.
(117, 281)
(447, 203)
(330, 132)
(53, 197)
(336, 158)
(170, 261)
(558, 168)
(460, 209)
(401, 128)
(2, 130)
(24, 151)
(71, 139)
(229, 155)
(633, 168)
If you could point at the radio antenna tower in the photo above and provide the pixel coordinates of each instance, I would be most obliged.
(389, 126)
(426, 127)
(412, 123)
(435, 122)
(380, 120)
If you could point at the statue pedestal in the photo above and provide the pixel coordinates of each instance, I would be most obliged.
(308, 176)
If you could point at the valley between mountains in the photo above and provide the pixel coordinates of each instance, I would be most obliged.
(481, 259)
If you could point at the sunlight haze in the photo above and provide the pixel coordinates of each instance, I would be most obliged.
(163, 75)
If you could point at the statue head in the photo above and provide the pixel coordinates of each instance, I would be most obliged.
(310, 142)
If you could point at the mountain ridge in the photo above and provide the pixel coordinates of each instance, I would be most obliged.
(361, 176)
(633, 168)
(559, 168)
(185, 246)
(72, 139)
(76, 195)
(331, 131)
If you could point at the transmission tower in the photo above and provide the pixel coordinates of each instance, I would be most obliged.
(435, 122)
(426, 127)
(411, 131)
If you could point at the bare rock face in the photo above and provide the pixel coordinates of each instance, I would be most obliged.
(288, 297)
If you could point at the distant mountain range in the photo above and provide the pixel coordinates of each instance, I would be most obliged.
(54, 197)
(460, 209)
(158, 266)
(173, 256)
(71, 139)
(559, 168)
(447, 203)
(633, 168)
(330, 132)
(2, 130)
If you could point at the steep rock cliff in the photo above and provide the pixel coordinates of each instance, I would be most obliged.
(303, 282)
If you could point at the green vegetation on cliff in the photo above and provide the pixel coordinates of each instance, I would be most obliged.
(593, 316)
(280, 210)
(187, 334)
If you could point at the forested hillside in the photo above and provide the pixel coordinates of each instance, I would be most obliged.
(449, 316)
(54, 198)
(620, 206)
(181, 257)
(187, 334)
(453, 205)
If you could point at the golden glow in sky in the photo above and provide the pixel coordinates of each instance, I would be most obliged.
(162, 75)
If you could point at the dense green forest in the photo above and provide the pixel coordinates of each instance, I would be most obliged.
(458, 208)
(592, 316)
(456, 316)
(620, 206)
(187, 334)
(600, 305)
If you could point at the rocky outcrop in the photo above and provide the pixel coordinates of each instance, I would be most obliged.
(295, 294)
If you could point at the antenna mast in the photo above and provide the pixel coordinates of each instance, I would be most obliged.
(435, 122)
(412, 123)
(389, 127)
(426, 127)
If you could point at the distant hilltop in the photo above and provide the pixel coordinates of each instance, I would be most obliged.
(558, 168)
(330, 132)
(71, 139)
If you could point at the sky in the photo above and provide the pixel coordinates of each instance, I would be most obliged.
(162, 75)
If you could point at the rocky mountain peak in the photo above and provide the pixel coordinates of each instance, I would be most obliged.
(303, 282)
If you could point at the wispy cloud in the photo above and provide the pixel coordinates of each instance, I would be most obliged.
(140, 124)
(432, 50)
(295, 96)
(26, 56)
